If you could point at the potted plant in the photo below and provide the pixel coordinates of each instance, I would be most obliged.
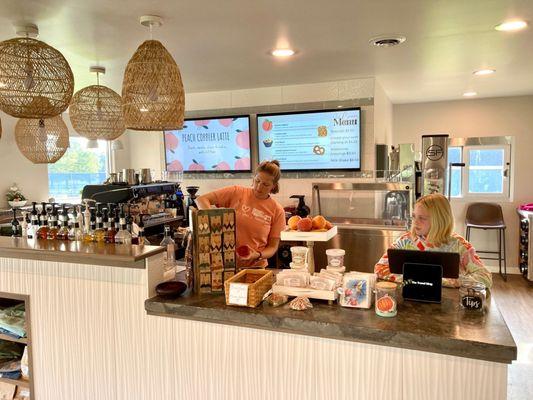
(14, 197)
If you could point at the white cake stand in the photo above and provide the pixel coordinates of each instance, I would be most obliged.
(310, 238)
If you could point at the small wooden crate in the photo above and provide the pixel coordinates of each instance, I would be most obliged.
(259, 282)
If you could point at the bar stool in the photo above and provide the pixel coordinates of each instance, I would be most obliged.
(488, 216)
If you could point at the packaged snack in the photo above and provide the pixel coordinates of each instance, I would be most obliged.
(321, 283)
(293, 278)
(276, 300)
(336, 276)
(300, 303)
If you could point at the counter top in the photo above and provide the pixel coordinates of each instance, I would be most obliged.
(77, 252)
(439, 328)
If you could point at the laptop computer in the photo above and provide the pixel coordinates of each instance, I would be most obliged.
(448, 261)
(423, 272)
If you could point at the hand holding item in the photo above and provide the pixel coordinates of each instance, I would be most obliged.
(246, 253)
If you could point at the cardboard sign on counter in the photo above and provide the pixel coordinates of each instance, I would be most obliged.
(238, 294)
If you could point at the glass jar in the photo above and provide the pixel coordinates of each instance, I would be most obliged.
(473, 295)
(386, 299)
(299, 255)
(335, 257)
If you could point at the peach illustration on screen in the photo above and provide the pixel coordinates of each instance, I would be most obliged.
(267, 125)
(226, 121)
(171, 142)
(196, 166)
(202, 122)
(242, 163)
(221, 166)
(243, 139)
(175, 166)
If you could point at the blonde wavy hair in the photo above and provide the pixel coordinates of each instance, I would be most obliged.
(441, 218)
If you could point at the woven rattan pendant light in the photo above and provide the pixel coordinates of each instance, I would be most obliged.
(42, 141)
(152, 91)
(35, 79)
(96, 111)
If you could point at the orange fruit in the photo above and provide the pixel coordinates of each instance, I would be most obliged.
(319, 222)
(293, 222)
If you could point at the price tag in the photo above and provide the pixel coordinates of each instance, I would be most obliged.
(238, 294)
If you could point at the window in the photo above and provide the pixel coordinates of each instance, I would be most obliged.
(78, 167)
(486, 171)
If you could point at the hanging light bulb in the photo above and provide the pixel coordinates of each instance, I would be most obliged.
(152, 95)
(29, 82)
(99, 113)
(42, 129)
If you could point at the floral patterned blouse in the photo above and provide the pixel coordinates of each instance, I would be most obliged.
(470, 265)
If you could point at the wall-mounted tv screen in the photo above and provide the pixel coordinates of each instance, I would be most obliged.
(210, 145)
(311, 140)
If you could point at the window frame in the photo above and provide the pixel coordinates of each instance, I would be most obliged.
(484, 143)
(505, 181)
(108, 165)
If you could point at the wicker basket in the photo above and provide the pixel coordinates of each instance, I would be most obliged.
(259, 282)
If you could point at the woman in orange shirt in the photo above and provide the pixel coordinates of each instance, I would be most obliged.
(260, 218)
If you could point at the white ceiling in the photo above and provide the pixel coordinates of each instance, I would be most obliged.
(223, 45)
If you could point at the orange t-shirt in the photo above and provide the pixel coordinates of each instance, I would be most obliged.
(258, 220)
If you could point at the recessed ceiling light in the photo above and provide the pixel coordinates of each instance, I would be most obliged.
(387, 40)
(339, 106)
(484, 72)
(282, 52)
(511, 26)
(143, 109)
(469, 94)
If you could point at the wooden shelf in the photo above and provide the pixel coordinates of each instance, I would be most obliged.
(18, 382)
(13, 339)
(11, 299)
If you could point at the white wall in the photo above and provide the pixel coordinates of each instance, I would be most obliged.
(146, 150)
(506, 116)
(31, 178)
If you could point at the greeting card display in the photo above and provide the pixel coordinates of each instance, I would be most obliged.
(213, 248)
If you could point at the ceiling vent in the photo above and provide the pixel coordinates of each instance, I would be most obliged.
(387, 41)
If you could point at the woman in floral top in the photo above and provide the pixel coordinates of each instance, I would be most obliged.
(432, 230)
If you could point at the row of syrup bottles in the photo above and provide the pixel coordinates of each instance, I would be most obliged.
(98, 224)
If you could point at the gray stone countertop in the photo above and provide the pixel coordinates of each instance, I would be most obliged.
(439, 328)
(132, 256)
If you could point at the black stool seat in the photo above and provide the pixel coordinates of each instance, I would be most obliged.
(488, 216)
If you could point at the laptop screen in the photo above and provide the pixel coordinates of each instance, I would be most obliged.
(448, 261)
